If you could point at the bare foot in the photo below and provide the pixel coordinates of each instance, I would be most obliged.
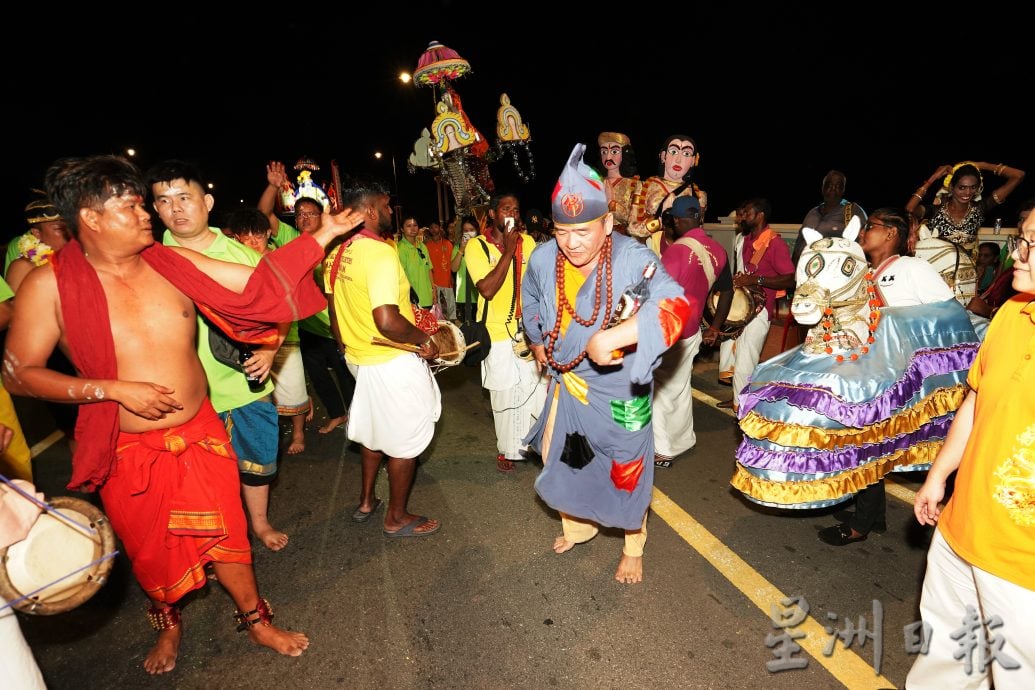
(296, 447)
(333, 424)
(274, 539)
(560, 544)
(630, 570)
(162, 657)
(286, 642)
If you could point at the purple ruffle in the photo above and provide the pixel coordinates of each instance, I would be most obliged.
(924, 364)
(751, 455)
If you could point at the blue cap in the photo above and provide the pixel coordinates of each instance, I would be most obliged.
(579, 196)
(682, 205)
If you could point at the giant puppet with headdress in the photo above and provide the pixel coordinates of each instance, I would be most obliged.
(454, 148)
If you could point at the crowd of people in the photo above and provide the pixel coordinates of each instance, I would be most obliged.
(595, 316)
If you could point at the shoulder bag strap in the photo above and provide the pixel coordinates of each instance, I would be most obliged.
(485, 309)
(703, 256)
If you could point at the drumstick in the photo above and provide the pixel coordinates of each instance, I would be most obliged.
(408, 347)
(476, 343)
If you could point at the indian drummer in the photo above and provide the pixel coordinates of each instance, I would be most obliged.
(397, 400)
(699, 264)
(761, 259)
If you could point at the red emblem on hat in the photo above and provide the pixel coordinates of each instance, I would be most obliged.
(572, 205)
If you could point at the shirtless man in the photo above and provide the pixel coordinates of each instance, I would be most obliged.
(188, 511)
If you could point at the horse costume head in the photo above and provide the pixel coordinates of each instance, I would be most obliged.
(835, 294)
(953, 263)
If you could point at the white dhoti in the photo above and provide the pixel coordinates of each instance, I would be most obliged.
(672, 413)
(289, 391)
(395, 406)
(749, 348)
(517, 394)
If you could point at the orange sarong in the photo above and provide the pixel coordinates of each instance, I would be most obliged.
(174, 499)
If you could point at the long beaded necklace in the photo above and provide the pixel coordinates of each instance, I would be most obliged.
(604, 267)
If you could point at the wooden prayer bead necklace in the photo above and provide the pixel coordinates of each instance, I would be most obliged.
(604, 267)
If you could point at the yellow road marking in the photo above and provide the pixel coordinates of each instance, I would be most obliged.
(844, 664)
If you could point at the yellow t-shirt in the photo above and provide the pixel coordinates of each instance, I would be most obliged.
(369, 276)
(990, 519)
(478, 266)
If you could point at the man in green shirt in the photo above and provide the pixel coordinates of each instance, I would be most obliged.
(320, 353)
(249, 414)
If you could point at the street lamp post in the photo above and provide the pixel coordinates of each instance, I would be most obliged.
(395, 190)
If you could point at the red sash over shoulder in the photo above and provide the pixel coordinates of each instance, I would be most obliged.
(280, 289)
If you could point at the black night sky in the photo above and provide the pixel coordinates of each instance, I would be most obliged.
(774, 97)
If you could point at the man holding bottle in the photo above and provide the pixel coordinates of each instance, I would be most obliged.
(595, 432)
(248, 413)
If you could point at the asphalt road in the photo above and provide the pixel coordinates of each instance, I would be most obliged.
(485, 603)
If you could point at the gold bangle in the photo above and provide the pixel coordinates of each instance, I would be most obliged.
(999, 170)
(918, 196)
(995, 198)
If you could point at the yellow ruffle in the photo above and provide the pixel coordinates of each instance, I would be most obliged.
(939, 403)
(831, 488)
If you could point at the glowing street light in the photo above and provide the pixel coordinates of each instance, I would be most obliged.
(405, 77)
(131, 152)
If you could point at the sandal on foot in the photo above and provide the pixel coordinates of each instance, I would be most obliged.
(410, 528)
(839, 535)
(503, 465)
(362, 516)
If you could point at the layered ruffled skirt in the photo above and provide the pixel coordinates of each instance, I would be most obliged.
(817, 431)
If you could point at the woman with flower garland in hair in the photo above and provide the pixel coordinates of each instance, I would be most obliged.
(47, 234)
(959, 209)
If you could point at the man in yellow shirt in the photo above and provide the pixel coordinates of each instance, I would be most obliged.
(496, 262)
(980, 576)
(397, 401)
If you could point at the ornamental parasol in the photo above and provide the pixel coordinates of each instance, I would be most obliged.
(439, 63)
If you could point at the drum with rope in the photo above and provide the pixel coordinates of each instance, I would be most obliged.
(747, 303)
(65, 559)
(450, 343)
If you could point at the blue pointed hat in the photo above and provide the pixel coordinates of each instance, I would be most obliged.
(579, 196)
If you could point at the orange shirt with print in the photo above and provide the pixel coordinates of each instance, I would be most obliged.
(990, 519)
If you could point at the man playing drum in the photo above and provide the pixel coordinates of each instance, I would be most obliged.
(760, 258)
(698, 263)
(124, 308)
(397, 401)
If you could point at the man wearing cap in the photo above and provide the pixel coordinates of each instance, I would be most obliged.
(496, 262)
(679, 158)
(595, 432)
(619, 165)
(699, 264)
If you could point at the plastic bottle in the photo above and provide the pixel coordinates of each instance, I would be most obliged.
(998, 227)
